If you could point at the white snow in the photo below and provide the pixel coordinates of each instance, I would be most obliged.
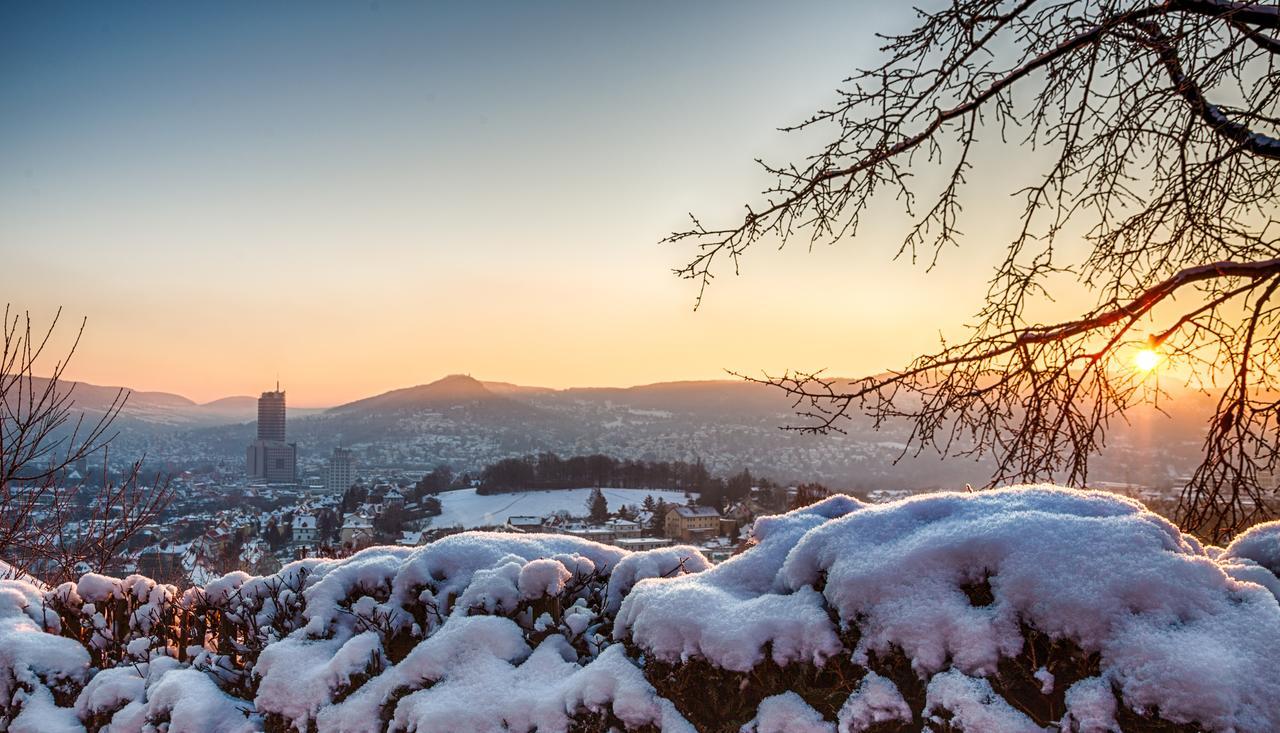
(34, 663)
(730, 613)
(486, 631)
(1261, 544)
(787, 713)
(877, 700)
(970, 704)
(1091, 707)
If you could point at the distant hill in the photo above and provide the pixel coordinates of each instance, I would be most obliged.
(147, 410)
(161, 408)
(238, 402)
(451, 391)
(509, 389)
(719, 396)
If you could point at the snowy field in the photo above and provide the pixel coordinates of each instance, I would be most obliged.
(469, 510)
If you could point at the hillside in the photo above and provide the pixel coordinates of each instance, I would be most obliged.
(452, 391)
(143, 408)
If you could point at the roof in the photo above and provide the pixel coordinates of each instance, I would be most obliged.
(525, 520)
(690, 512)
(304, 521)
(641, 541)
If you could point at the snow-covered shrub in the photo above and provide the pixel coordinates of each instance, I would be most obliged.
(396, 637)
(1025, 609)
(1255, 556)
(984, 610)
(40, 673)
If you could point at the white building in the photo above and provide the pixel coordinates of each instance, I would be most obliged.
(640, 544)
(305, 530)
(531, 525)
(357, 531)
(339, 471)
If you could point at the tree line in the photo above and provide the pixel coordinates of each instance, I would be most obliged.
(549, 471)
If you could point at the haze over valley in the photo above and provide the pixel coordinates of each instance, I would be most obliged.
(468, 423)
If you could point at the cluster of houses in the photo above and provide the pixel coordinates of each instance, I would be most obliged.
(196, 544)
(718, 535)
(199, 545)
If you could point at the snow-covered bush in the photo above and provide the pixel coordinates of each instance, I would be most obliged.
(1024, 609)
(40, 673)
(1006, 610)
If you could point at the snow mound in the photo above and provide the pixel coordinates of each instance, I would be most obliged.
(1261, 544)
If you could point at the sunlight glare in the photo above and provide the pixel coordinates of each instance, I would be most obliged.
(1146, 360)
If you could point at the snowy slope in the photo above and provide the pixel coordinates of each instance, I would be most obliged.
(469, 510)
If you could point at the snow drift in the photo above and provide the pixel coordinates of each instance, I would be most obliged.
(1024, 609)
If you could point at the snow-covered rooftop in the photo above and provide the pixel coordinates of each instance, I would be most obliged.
(695, 511)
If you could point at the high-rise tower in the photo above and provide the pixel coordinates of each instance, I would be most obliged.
(271, 415)
(270, 457)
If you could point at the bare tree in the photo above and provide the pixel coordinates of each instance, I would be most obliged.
(1158, 123)
(51, 527)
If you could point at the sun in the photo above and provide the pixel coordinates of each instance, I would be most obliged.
(1147, 359)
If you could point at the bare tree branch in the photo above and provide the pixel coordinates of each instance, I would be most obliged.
(1176, 192)
(48, 525)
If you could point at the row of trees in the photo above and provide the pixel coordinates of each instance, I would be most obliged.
(549, 471)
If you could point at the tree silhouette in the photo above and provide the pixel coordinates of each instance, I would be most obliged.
(597, 506)
(49, 527)
(1158, 123)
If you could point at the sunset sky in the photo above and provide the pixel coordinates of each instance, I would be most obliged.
(359, 197)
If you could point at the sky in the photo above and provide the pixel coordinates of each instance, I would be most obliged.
(356, 197)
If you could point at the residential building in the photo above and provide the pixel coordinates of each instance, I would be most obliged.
(163, 562)
(691, 523)
(393, 499)
(339, 471)
(530, 525)
(356, 532)
(640, 544)
(623, 528)
(305, 530)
